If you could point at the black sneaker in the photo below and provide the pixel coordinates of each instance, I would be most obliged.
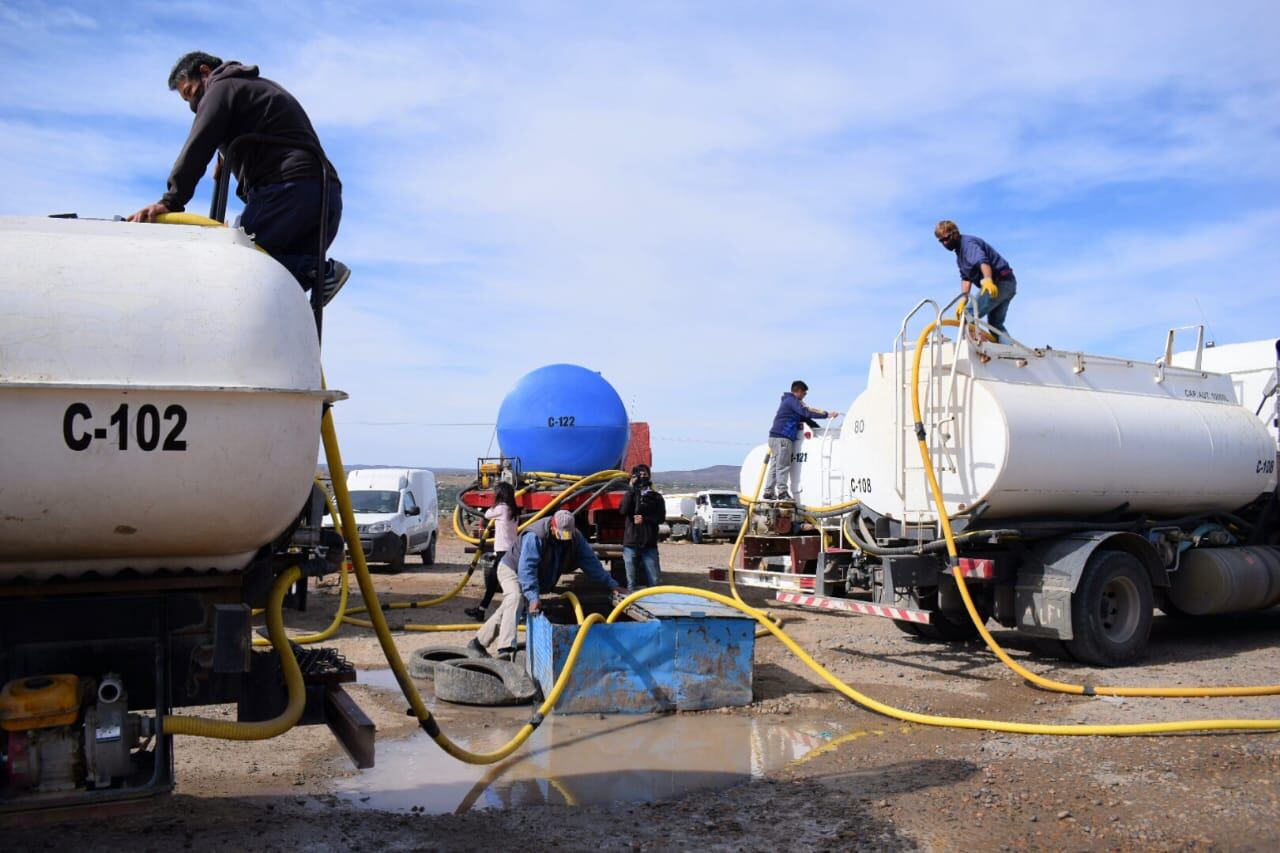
(336, 274)
(476, 649)
(476, 613)
(767, 496)
(507, 655)
(785, 497)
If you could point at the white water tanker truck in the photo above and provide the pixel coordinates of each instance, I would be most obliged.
(1083, 491)
(160, 407)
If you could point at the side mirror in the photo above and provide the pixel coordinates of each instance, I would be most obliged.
(412, 511)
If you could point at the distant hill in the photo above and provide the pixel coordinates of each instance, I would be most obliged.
(713, 477)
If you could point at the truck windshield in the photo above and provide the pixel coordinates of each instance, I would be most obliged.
(371, 501)
(725, 501)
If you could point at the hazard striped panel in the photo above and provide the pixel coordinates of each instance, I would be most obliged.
(863, 608)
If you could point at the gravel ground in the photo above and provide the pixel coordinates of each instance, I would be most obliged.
(881, 785)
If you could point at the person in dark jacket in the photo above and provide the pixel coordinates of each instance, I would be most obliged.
(546, 550)
(643, 509)
(782, 438)
(980, 264)
(280, 185)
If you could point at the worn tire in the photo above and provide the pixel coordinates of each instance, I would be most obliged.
(429, 553)
(1111, 610)
(423, 661)
(483, 681)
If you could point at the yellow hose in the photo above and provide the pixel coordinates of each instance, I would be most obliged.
(575, 484)
(1073, 729)
(297, 691)
(980, 623)
(428, 723)
(343, 588)
(189, 219)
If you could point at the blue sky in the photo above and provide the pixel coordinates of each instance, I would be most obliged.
(701, 200)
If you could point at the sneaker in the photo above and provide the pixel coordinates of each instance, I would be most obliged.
(476, 649)
(785, 497)
(335, 275)
(507, 655)
(476, 613)
(767, 496)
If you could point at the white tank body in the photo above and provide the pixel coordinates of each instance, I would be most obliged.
(1054, 433)
(816, 478)
(160, 398)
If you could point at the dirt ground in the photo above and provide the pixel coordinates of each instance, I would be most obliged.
(880, 784)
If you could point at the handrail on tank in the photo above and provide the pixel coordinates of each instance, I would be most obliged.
(218, 206)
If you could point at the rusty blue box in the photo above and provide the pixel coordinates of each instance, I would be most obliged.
(681, 653)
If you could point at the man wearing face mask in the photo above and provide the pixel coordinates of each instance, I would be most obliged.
(980, 264)
(280, 186)
(643, 509)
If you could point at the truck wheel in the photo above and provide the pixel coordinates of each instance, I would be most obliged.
(695, 533)
(948, 628)
(912, 628)
(1111, 610)
(429, 553)
(396, 563)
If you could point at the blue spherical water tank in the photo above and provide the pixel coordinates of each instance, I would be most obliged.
(565, 419)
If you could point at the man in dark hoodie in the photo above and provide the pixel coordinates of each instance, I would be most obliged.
(643, 509)
(280, 186)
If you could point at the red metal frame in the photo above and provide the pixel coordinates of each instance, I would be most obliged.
(849, 605)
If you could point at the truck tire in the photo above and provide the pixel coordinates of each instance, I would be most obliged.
(696, 532)
(396, 563)
(948, 628)
(1111, 610)
(912, 628)
(429, 553)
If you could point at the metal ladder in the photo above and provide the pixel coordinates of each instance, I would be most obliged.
(939, 412)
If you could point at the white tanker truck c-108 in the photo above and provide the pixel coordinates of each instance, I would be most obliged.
(1083, 491)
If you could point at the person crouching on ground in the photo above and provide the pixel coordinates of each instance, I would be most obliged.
(782, 438)
(504, 514)
(643, 509)
(547, 549)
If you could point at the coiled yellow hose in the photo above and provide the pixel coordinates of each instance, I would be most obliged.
(297, 691)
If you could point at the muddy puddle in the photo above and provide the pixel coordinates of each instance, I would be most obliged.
(578, 759)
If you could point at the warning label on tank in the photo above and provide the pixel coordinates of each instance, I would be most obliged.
(1215, 396)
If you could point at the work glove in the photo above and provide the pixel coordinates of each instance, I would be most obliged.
(989, 288)
(960, 308)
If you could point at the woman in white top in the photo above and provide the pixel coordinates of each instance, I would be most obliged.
(504, 514)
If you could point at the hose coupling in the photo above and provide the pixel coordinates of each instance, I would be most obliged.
(921, 435)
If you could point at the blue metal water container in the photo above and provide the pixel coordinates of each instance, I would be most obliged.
(687, 654)
(565, 419)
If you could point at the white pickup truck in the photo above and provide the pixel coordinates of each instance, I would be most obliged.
(708, 514)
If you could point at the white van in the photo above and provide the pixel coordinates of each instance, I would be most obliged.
(397, 513)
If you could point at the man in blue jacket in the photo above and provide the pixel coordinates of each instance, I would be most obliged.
(546, 550)
(980, 263)
(782, 437)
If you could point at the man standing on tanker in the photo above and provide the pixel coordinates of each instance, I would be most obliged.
(281, 186)
(979, 262)
(782, 438)
(546, 550)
